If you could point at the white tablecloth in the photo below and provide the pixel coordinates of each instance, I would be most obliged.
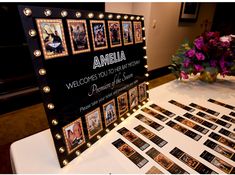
(36, 154)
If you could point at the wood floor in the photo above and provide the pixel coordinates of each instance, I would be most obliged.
(30, 120)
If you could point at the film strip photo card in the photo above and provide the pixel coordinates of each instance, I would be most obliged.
(151, 136)
(130, 153)
(191, 162)
(218, 163)
(222, 140)
(165, 162)
(149, 122)
(133, 138)
(220, 149)
(200, 121)
(184, 130)
(180, 105)
(154, 114)
(221, 104)
(229, 119)
(204, 109)
(213, 119)
(154, 170)
(227, 133)
(162, 110)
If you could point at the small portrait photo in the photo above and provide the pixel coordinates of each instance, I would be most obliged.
(180, 128)
(188, 123)
(114, 33)
(224, 151)
(94, 122)
(142, 92)
(78, 36)
(189, 161)
(130, 136)
(52, 37)
(74, 135)
(122, 104)
(224, 166)
(98, 31)
(109, 110)
(138, 32)
(127, 32)
(164, 161)
(147, 133)
(133, 97)
(127, 150)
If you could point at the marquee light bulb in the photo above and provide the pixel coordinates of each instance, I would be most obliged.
(147, 83)
(77, 153)
(64, 13)
(144, 38)
(144, 47)
(146, 66)
(54, 122)
(107, 130)
(37, 53)
(139, 106)
(128, 114)
(47, 12)
(50, 106)
(142, 18)
(61, 150)
(101, 16)
(78, 14)
(88, 144)
(115, 124)
(125, 17)
(132, 17)
(65, 162)
(90, 15)
(134, 110)
(144, 103)
(143, 28)
(118, 16)
(32, 32)
(98, 137)
(46, 89)
(138, 18)
(110, 16)
(145, 57)
(122, 119)
(42, 71)
(27, 12)
(147, 75)
(58, 136)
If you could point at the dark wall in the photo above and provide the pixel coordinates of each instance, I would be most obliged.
(18, 85)
(224, 18)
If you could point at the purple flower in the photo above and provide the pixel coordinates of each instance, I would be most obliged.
(199, 43)
(198, 68)
(213, 63)
(183, 75)
(190, 53)
(213, 42)
(186, 63)
(200, 56)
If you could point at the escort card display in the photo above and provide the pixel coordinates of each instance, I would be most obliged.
(92, 72)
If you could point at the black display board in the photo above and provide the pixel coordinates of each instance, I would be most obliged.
(92, 72)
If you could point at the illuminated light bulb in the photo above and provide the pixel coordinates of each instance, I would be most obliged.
(27, 12)
(138, 18)
(64, 13)
(37, 53)
(42, 71)
(77, 153)
(65, 162)
(98, 137)
(147, 91)
(144, 38)
(47, 12)
(148, 99)
(128, 114)
(46, 89)
(101, 16)
(145, 57)
(146, 66)
(78, 14)
(147, 75)
(143, 28)
(142, 18)
(144, 103)
(32, 32)
(147, 83)
(107, 130)
(115, 124)
(54, 122)
(58, 136)
(132, 17)
(134, 110)
(50, 106)
(110, 16)
(61, 150)
(144, 47)
(122, 119)
(139, 106)
(118, 16)
(90, 15)
(88, 144)
(125, 17)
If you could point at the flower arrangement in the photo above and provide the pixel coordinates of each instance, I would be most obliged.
(209, 53)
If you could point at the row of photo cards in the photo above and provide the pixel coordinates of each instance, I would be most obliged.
(53, 40)
(74, 132)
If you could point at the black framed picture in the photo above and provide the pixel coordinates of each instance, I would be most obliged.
(189, 11)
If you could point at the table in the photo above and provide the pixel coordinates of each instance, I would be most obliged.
(36, 153)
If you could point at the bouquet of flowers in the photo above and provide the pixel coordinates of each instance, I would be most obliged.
(209, 53)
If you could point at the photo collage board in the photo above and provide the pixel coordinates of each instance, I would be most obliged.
(92, 72)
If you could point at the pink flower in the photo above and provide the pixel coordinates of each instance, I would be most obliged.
(198, 68)
(199, 43)
(226, 38)
(190, 53)
(186, 63)
(200, 56)
(183, 75)
(213, 42)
